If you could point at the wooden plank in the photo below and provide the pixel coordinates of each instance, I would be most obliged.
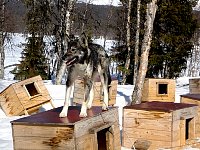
(12, 107)
(148, 124)
(85, 142)
(110, 116)
(132, 113)
(43, 143)
(42, 131)
(182, 132)
(148, 134)
(129, 142)
(185, 113)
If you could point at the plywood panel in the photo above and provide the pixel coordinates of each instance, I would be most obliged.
(148, 134)
(98, 93)
(185, 113)
(110, 116)
(128, 142)
(43, 143)
(148, 124)
(130, 113)
(194, 86)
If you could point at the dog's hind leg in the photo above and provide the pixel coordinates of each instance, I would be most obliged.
(104, 82)
(91, 97)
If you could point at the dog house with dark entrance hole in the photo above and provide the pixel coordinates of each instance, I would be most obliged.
(98, 131)
(159, 90)
(163, 124)
(24, 97)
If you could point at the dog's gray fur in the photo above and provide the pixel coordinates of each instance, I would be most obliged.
(86, 60)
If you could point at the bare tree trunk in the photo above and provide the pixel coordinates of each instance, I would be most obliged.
(150, 16)
(66, 22)
(2, 54)
(194, 60)
(137, 40)
(128, 42)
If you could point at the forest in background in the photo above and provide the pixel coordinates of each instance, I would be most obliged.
(97, 22)
(110, 22)
(155, 38)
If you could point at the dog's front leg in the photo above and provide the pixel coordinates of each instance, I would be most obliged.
(87, 87)
(66, 104)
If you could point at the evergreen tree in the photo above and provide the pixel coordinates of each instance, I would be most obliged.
(171, 46)
(33, 56)
(174, 27)
(33, 60)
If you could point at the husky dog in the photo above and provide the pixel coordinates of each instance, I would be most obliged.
(86, 60)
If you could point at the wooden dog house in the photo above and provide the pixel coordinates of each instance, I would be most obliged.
(194, 86)
(98, 131)
(159, 90)
(162, 124)
(24, 97)
(193, 99)
(98, 92)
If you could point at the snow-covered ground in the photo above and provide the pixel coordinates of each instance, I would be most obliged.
(123, 98)
(102, 2)
(123, 92)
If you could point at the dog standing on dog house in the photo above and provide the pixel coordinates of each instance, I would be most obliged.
(86, 60)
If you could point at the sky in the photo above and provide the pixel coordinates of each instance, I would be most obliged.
(102, 2)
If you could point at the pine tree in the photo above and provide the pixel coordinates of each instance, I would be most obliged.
(33, 57)
(171, 45)
(33, 61)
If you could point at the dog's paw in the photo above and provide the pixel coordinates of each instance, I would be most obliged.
(82, 115)
(89, 106)
(63, 114)
(104, 107)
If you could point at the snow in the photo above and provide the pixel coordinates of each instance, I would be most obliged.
(102, 2)
(122, 99)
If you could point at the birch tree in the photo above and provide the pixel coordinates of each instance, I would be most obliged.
(146, 43)
(137, 41)
(2, 54)
(128, 42)
(64, 31)
(194, 60)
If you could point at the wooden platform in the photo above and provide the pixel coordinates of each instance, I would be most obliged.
(47, 131)
(162, 124)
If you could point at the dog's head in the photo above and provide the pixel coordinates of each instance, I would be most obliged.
(77, 51)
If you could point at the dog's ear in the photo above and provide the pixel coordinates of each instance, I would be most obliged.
(83, 40)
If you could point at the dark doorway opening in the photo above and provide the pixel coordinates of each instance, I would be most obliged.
(32, 90)
(105, 139)
(162, 88)
(187, 127)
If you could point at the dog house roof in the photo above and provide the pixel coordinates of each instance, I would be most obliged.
(192, 96)
(159, 106)
(51, 117)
